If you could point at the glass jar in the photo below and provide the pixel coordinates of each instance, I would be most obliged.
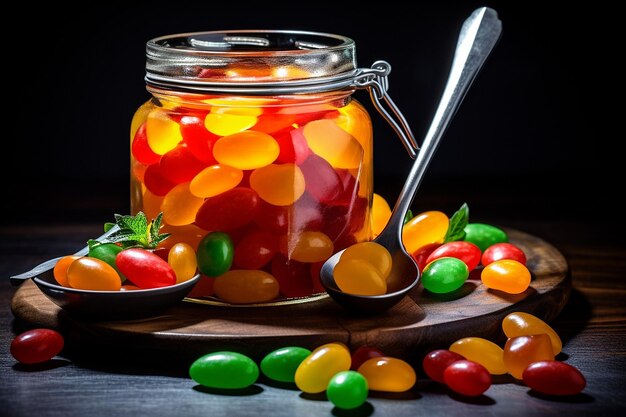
(258, 156)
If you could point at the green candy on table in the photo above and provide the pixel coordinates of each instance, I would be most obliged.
(484, 235)
(281, 364)
(444, 275)
(347, 389)
(226, 370)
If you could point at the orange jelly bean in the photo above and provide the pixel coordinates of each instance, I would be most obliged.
(506, 275)
(309, 246)
(182, 259)
(180, 206)
(359, 277)
(246, 286)
(423, 229)
(521, 351)
(93, 274)
(381, 213)
(60, 269)
(280, 185)
(163, 133)
(388, 374)
(377, 255)
(525, 324)
(315, 372)
(215, 180)
(246, 150)
(481, 351)
(334, 144)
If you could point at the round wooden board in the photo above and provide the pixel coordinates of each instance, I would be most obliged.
(419, 322)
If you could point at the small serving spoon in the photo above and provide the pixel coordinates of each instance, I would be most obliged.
(478, 36)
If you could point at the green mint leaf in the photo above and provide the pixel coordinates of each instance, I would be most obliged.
(458, 221)
(154, 228)
(136, 231)
(108, 226)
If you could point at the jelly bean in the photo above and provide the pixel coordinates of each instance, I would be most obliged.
(347, 390)
(340, 220)
(352, 188)
(246, 286)
(179, 165)
(334, 144)
(388, 374)
(141, 150)
(36, 346)
(554, 378)
(180, 206)
(255, 250)
(215, 180)
(465, 251)
(484, 235)
(421, 255)
(293, 146)
(224, 124)
(182, 259)
(359, 277)
(521, 351)
(145, 269)
(274, 219)
(436, 362)
(60, 269)
(503, 251)
(467, 378)
(363, 354)
(309, 246)
(93, 274)
(203, 288)
(444, 275)
(275, 122)
(524, 324)
(198, 139)
(156, 182)
(215, 254)
(322, 181)
(425, 228)
(189, 233)
(377, 255)
(106, 252)
(293, 277)
(163, 133)
(140, 116)
(481, 351)
(280, 185)
(355, 120)
(225, 370)
(281, 364)
(228, 211)
(381, 213)
(506, 275)
(316, 371)
(151, 204)
(246, 150)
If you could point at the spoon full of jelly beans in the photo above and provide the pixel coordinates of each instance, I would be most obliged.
(386, 256)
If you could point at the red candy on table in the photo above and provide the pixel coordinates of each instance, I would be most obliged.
(521, 351)
(503, 251)
(36, 346)
(467, 378)
(554, 378)
(465, 251)
(436, 362)
(363, 354)
(145, 269)
(421, 255)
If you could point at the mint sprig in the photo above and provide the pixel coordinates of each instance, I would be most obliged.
(135, 232)
(458, 221)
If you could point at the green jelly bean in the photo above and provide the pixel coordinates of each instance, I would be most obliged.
(225, 369)
(484, 235)
(215, 254)
(106, 252)
(281, 364)
(444, 275)
(347, 389)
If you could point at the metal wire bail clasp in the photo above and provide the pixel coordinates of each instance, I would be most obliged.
(376, 80)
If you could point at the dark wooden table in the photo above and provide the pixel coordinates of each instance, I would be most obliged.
(86, 381)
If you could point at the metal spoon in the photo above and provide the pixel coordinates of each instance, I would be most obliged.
(478, 36)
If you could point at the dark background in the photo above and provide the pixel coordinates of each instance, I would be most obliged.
(525, 140)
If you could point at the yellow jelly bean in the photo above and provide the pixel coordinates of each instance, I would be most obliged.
(280, 185)
(215, 180)
(333, 144)
(224, 121)
(506, 275)
(355, 120)
(425, 228)
(182, 259)
(93, 274)
(309, 246)
(246, 286)
(246, 150)
(163, 133)
(316, 371)
(388, 374)
(482, 351)
(139, 117)
(375, 254)
(525, 324)
(359, 277)
(381, 213)
(180, 206)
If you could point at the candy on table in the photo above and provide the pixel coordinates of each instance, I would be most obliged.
(180, 205)
(506, 275)
(362, 354)
(381, 213)
(554, 378)
(60, 269)
(281, 364)
(144, 268)
(93, 274)
(246, 286)
(503, 251)
(246, 150)
(525, 324)
(214, 180)
(36, 346)
(423, 229)
(225, 370)
(421, 255)
(444, 275)
(347, 390)
(465, 251)
(388, 374)
(484, 235)
(316, 371)
(467, 378)
(481, 351)
(436, 362)
(521, 351)
(183, 260)
(229, 210)
(280, 185)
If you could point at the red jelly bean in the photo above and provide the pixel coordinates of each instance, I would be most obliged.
(179, 165)
(554, 378)
(156, 182)
(255, 249)
(350, 188)
(436, 362)
(467, 378)
(36, 346)
(229, 210)
(322, 181)
(274, 219)
(293, 277)
(465, 251)
(140, 148)
(421, 255)
(275, 123)
(293, 146)
(198, 139)
(503, 251)
(341, 220)
(145, 269)
(363, 354)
